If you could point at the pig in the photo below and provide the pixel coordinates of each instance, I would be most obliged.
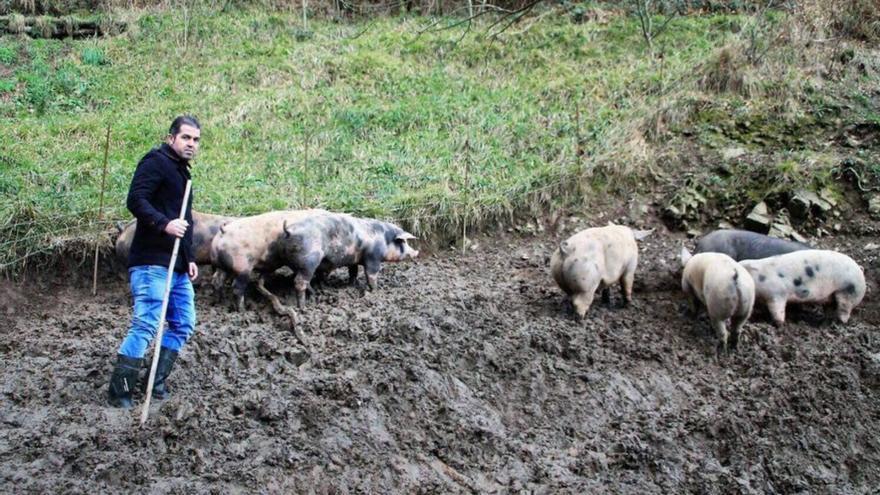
(724, 287)
(205, 227)
(251, 245)
(810, 276)
(744, 245)
(593, 258)
(322, 243)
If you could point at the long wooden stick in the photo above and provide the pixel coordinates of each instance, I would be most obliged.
(101, 211)
(158, 340)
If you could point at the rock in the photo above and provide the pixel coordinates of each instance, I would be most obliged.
(638, 210)
(796, 236)
(804, 202)
(732, 153)
(828, 195)
(694, 233)
(871, 246)
(780, 230)
(725, 225)
(874, 206)
(759, 219)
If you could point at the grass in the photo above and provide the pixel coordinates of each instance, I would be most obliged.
(430, 130)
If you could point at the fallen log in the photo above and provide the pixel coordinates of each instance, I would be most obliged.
(58, 27)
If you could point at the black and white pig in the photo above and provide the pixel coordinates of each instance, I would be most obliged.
(811, 276)
(744, 245)
(322, 243)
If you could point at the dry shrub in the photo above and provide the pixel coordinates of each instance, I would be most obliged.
(43, 26)
(848, 19)
(728, 72)
(17, 24)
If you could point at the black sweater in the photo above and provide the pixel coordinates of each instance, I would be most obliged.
(155, 197)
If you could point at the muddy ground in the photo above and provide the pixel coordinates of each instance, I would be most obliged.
(461, 374)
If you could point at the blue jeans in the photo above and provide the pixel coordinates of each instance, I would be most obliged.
(147, 290)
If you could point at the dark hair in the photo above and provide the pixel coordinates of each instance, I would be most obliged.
(183, 120)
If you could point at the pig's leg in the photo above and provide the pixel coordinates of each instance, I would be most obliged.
(844, 306)
(353, 274)
(301, 283)
(693, 302)
(371, 268)
(238, 288)
(736, 325)
(606, 295)
(305, 269)
(626, 284)
(218, 280)
(721, 333)
(777, 310)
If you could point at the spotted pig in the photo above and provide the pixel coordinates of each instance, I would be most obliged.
(251, 245)
(811, 276)
(322, 243)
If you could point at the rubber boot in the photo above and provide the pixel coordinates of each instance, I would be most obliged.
(163, 369)
(123, 381)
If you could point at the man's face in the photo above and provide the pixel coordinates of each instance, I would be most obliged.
(186, 142)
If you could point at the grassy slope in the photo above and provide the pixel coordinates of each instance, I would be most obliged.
(386, 113)
(373, 118)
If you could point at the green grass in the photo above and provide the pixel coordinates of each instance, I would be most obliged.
(371, 119)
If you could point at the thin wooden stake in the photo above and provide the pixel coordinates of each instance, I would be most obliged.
(158, 340)
(467, 188)
(305, 171)
(100, 213)
(305, 20)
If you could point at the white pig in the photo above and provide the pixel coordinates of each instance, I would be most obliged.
(724, 287)
(810, 276)
(594, 258)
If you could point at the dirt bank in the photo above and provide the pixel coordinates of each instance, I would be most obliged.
(461, 374)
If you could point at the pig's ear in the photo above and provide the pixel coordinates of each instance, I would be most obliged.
(404, 236)
(221, 229)
(685, 256)
(564, 247)
(641, 234)
(284, 226)
(120, 227)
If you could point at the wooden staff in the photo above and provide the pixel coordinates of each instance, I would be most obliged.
(101, 212)
(158, 339)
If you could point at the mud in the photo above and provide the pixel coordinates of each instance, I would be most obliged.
(461, 374)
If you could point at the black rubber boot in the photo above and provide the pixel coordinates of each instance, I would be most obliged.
(163, 369)
(123, 381)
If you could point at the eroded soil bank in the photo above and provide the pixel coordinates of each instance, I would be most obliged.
(461, 374)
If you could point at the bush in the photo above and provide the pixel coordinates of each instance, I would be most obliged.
(93, 56)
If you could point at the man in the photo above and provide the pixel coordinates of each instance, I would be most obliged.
(155, 198)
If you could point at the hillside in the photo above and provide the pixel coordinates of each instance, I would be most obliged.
(405, 119)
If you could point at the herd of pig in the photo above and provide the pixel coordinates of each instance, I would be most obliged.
(729, 272)
(312, 243)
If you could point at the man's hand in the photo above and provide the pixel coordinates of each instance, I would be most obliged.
(176, 227)
(193, 271)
